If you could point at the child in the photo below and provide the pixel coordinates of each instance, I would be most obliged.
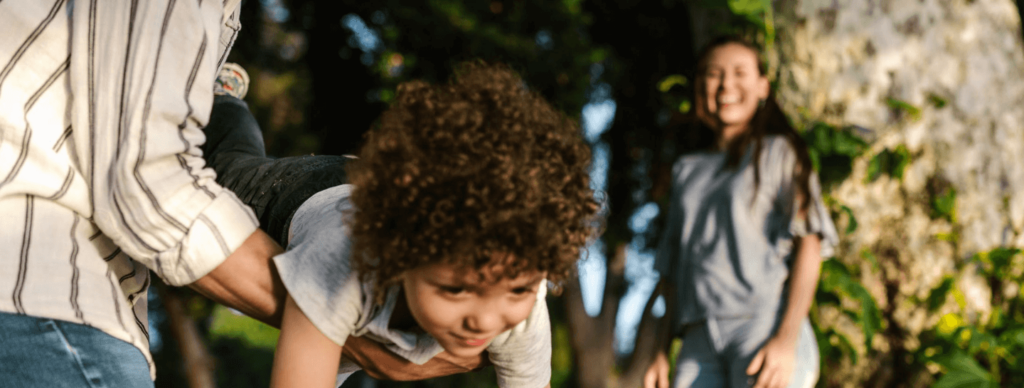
(464, 200)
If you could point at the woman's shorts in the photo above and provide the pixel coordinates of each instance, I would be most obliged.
(717, 352)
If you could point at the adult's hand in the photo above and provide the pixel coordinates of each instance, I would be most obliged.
(775, 362)
(380, 363)
(657, 373)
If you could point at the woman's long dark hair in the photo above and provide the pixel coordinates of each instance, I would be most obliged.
(768, 120)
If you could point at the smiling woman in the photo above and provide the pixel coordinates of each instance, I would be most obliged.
(744, 238)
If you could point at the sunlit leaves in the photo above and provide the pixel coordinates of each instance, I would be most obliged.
(944, 205)
(976, 352)
(832, 151)
(938, 296)
(911, 111)
(889, 162)
(962, 371)
(668, 82)
(837, 280)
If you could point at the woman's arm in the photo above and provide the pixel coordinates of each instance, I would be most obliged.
(776, 360)
(657, 372)
(304, 357)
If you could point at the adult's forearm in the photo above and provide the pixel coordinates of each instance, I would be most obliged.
(380, 363)
(247, 280)
(803, 279)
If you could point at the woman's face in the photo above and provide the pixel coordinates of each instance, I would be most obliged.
(733, 86)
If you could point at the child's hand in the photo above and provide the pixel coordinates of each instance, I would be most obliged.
(380, 363)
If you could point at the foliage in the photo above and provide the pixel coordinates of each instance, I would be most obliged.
(832, 151)
(226, 324)
(758, 13)
(674, 93)
(837, 285)
(983, 351)
(889, 162)
(944, 204)
(911, 111)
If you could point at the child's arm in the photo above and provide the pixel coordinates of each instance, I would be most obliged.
(522, 355)
(305, 357)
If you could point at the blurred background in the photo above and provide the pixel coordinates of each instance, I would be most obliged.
(911, 111)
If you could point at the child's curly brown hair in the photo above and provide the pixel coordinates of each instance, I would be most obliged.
(455, 173)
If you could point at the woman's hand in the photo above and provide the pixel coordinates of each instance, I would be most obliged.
(657, 373)
(775, 362)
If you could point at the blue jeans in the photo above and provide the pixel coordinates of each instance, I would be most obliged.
(40, 352)
(717, 352)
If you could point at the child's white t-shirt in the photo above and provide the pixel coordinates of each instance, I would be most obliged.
(317, 272)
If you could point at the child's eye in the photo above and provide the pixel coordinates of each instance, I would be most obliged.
(452, 289)
(521, 290)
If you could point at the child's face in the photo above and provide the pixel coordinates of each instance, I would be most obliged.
(464, 312)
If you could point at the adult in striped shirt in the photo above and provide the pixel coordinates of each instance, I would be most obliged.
(101, 180)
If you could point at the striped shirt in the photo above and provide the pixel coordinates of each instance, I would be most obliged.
(101, 177)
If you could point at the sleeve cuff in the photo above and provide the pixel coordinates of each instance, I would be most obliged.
(215, 233)
(818, 222)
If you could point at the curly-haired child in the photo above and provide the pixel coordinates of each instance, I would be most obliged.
(465, 199)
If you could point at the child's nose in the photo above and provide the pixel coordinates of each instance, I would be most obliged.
(486, 319)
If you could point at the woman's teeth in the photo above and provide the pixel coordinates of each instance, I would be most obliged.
(728, 100)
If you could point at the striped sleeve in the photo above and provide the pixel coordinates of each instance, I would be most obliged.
(142, 74)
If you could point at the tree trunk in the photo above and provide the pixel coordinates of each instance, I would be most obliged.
(593, 337)
(199, 365)
(942, 79)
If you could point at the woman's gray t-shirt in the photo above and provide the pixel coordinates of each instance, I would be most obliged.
(728, 249)
(316, 271)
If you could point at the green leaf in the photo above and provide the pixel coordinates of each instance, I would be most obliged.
(870, 257)
(852, 226)
(876, 165)
(1014, 337)
(684, 106)
(889, 162)
(667, 83)
(836, 278)
(901, 158)
(225, 324)
(846, 143)
(944, 205)
(815, 159)
(937, 101)
(845, 344)
(937, 297)
(962, 371)
(913, 112)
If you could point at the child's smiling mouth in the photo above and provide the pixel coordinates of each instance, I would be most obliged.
(472, 342)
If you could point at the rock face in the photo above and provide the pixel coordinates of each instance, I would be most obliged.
(945, 80)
